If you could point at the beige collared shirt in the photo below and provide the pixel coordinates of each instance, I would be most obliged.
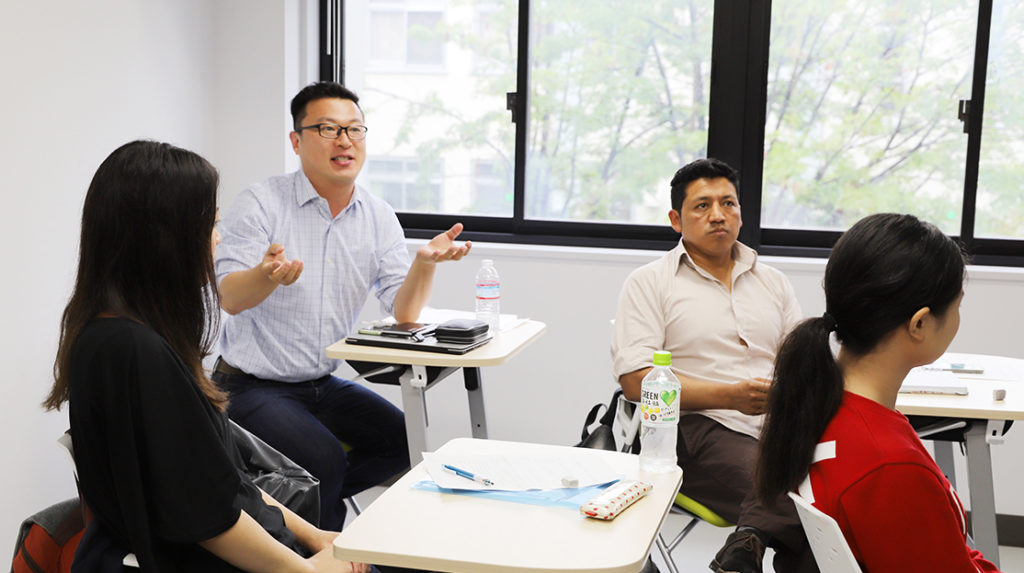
(713, 333)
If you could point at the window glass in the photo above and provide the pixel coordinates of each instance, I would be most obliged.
(424, 45)
(618, 102)
(491, 194)
(436, 106)
(1000, 207)
(383, 45)
(861, 111)
(407, 184)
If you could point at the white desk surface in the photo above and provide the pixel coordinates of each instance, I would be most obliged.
(503, 346)
(446, 532)
(978, 403)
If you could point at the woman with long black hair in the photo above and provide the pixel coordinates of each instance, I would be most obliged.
(155, 458)
(893, 286)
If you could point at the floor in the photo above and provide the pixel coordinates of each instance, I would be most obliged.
(696, 551)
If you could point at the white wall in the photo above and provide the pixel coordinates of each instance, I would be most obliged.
(216, 77)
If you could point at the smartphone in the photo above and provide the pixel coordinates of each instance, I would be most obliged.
(407, 329)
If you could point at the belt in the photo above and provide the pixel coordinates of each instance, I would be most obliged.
(225, 368)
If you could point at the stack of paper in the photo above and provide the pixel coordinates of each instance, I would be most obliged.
(926, 380)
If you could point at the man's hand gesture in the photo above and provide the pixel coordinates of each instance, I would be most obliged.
(278, 268)
(443, 247)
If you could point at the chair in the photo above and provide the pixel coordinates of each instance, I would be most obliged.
(627, 414)
(827, 541)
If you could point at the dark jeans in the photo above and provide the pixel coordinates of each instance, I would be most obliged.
(308, 421)
(718, 464)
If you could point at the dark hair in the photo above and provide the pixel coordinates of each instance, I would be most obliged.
(882, 270)
(317, 91)
(145, 254)
(709, 168)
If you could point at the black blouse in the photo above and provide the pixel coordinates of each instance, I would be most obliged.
(155, 459)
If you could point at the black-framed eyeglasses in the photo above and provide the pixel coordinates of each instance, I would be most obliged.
(334, 131)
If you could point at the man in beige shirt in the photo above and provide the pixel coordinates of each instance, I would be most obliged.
(721, 314)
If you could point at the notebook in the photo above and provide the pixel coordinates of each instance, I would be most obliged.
(427, 344)
(924, 381)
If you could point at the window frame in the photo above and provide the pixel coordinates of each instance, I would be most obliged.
(736, 130)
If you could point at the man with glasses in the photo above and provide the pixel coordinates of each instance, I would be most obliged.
(300, 254)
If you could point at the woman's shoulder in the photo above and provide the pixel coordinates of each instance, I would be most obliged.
(869, 435)
(120, 334)
(107, 346)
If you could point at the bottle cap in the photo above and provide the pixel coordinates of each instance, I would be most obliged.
(662, 358)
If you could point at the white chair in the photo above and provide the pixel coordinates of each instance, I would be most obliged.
(827, 541)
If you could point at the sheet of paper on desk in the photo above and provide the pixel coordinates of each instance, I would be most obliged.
(569, 498)
(975, 367)
(955, 367)
(439, 315)
(929, 381)
(512, 472)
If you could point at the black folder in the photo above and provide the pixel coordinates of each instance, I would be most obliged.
(427, 344)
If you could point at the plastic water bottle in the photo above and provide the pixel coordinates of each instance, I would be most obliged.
(659, 408)
(488, 295)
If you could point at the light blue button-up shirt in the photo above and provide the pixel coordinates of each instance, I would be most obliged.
(344, 258)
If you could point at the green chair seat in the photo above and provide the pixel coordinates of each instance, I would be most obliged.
(700, 510)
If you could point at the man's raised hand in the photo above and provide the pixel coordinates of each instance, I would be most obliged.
(278, 268)
(443, 248)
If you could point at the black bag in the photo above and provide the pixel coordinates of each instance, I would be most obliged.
(602, 437)
(461, 330)
(272, 471)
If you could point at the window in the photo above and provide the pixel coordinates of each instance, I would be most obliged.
(1000, 210)
(618, 101)
(452, 116)
(492, 188)
(860, 112)
(562, 121)
(405, 183)
(403, 39)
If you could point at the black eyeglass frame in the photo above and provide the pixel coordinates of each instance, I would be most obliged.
(341, 129)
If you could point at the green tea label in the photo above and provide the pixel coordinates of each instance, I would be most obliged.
(659, 407)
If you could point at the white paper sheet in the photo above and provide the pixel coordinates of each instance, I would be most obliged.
(923, 380)
(518, 472)
(438, 315)
(430, 315)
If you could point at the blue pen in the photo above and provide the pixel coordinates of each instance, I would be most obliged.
(467, 475)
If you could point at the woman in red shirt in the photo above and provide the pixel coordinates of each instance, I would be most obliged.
(893, 287)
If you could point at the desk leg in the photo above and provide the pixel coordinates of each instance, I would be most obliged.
(475, 393)
(983, 501)
(414, 404)
(944, 459)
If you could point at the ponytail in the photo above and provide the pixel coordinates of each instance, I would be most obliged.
(807, 389)
(881, 271)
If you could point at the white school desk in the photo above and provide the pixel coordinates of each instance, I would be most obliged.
(986, 417)
(413, 381)
(436, 531)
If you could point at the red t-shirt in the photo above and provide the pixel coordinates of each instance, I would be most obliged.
(897, 510)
